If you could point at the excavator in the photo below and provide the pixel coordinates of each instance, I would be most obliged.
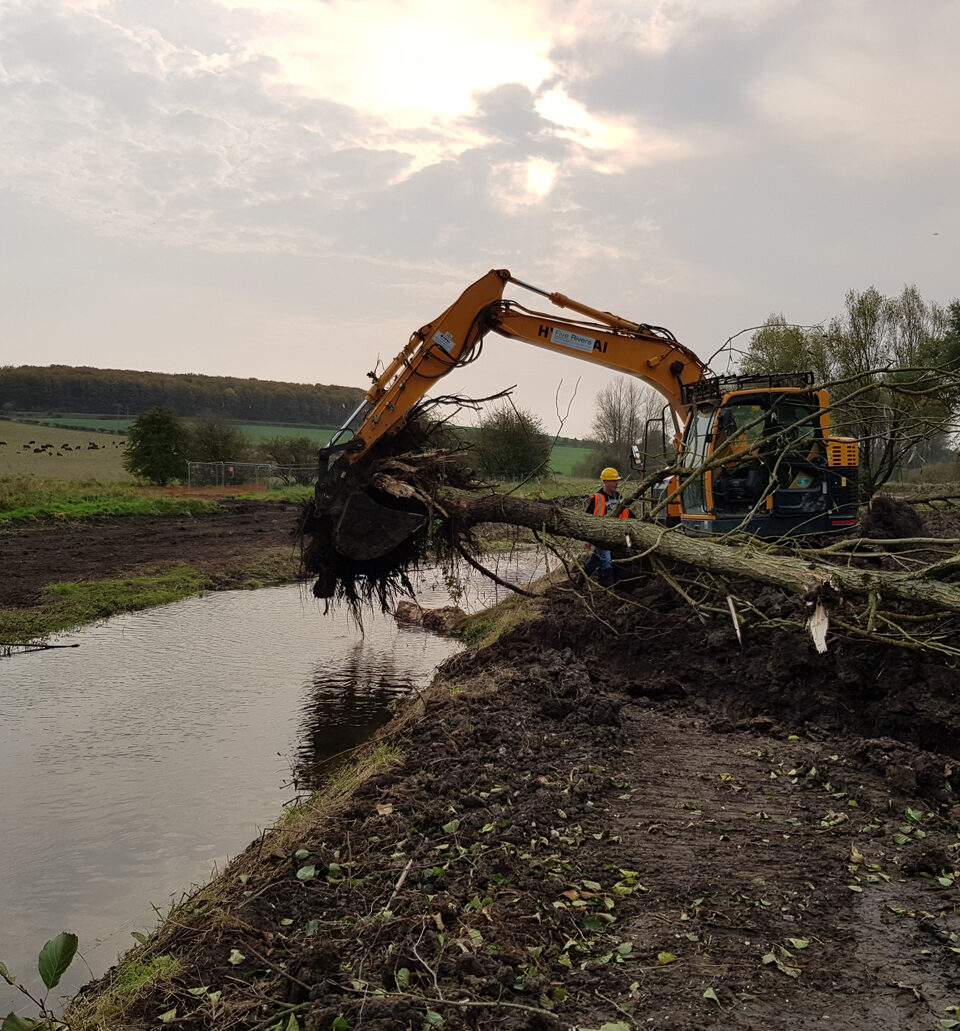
(754, 453)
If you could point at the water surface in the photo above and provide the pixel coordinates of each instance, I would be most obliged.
(135, 765)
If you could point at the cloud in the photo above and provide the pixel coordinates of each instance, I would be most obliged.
(356, 163)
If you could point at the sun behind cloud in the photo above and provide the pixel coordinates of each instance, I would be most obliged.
(403, 60)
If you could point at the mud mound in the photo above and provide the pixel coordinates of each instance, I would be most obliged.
(648, 648)
(890, 519)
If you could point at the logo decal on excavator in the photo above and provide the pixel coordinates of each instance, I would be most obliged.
(575, 340)
(445, 340)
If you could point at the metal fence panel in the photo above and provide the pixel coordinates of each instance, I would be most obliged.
(248, 474)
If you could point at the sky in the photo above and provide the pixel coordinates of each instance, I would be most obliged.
(286, 189)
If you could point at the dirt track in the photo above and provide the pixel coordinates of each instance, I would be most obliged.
(613, 818)
(51, 552)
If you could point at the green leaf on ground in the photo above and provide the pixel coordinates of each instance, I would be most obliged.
(11, 1022)
(663, 958)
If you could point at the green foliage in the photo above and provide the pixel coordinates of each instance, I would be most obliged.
(298, 452)
(213, 438)
(288, 450)
(54, 960)
(157, 447)
(597, 459)
(55, 957)
(894, 363)
(511, 443)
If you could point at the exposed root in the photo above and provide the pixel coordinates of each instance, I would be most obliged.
(375, 523)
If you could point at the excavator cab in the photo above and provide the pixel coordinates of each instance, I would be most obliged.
(762, 459)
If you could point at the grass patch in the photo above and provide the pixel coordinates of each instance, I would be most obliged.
(485, 627)
(132, 975)
(25, 498)
(65, 606)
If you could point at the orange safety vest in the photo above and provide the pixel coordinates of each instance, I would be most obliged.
(600, 506)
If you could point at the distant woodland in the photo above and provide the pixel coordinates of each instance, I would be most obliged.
(58, 389)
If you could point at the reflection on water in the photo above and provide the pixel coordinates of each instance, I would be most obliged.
(344, 708)
(133, 765)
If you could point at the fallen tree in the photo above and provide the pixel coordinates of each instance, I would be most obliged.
(434, 511)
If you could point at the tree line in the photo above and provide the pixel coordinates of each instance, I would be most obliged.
(82, 389)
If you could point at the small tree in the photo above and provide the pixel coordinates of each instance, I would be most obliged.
(300, 452)
(215, 439)
(156, 447)
(511, 443)
(288, 450)
(621, 411)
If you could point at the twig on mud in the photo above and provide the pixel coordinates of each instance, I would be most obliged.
(284, 1011)
(662, 572)
(399, 884)
(616, 1005)
(429, 969)
(907, 641)
(279, 970)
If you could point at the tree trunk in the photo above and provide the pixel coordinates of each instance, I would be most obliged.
(630, 537)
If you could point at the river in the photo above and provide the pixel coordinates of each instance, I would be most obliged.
(133, 766)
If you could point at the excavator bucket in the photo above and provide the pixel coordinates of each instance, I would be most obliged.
(365, 530)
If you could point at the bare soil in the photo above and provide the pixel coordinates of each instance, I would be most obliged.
(614, 817)
(55, 551)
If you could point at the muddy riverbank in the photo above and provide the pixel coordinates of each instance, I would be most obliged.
(55, 551)
(615, 816)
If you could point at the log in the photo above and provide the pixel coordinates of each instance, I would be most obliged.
(632, 537)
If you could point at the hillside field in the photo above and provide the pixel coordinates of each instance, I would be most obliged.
(79, 461)
(70, 456)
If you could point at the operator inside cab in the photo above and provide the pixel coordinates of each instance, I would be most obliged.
(600, 504)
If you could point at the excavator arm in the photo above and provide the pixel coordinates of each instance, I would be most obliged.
(451, 341)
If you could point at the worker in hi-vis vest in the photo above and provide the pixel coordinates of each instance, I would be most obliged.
(605, 500)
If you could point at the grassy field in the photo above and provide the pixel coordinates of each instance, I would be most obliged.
(254, 430)
(565, 456)
(63, 606)
(69, 456)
